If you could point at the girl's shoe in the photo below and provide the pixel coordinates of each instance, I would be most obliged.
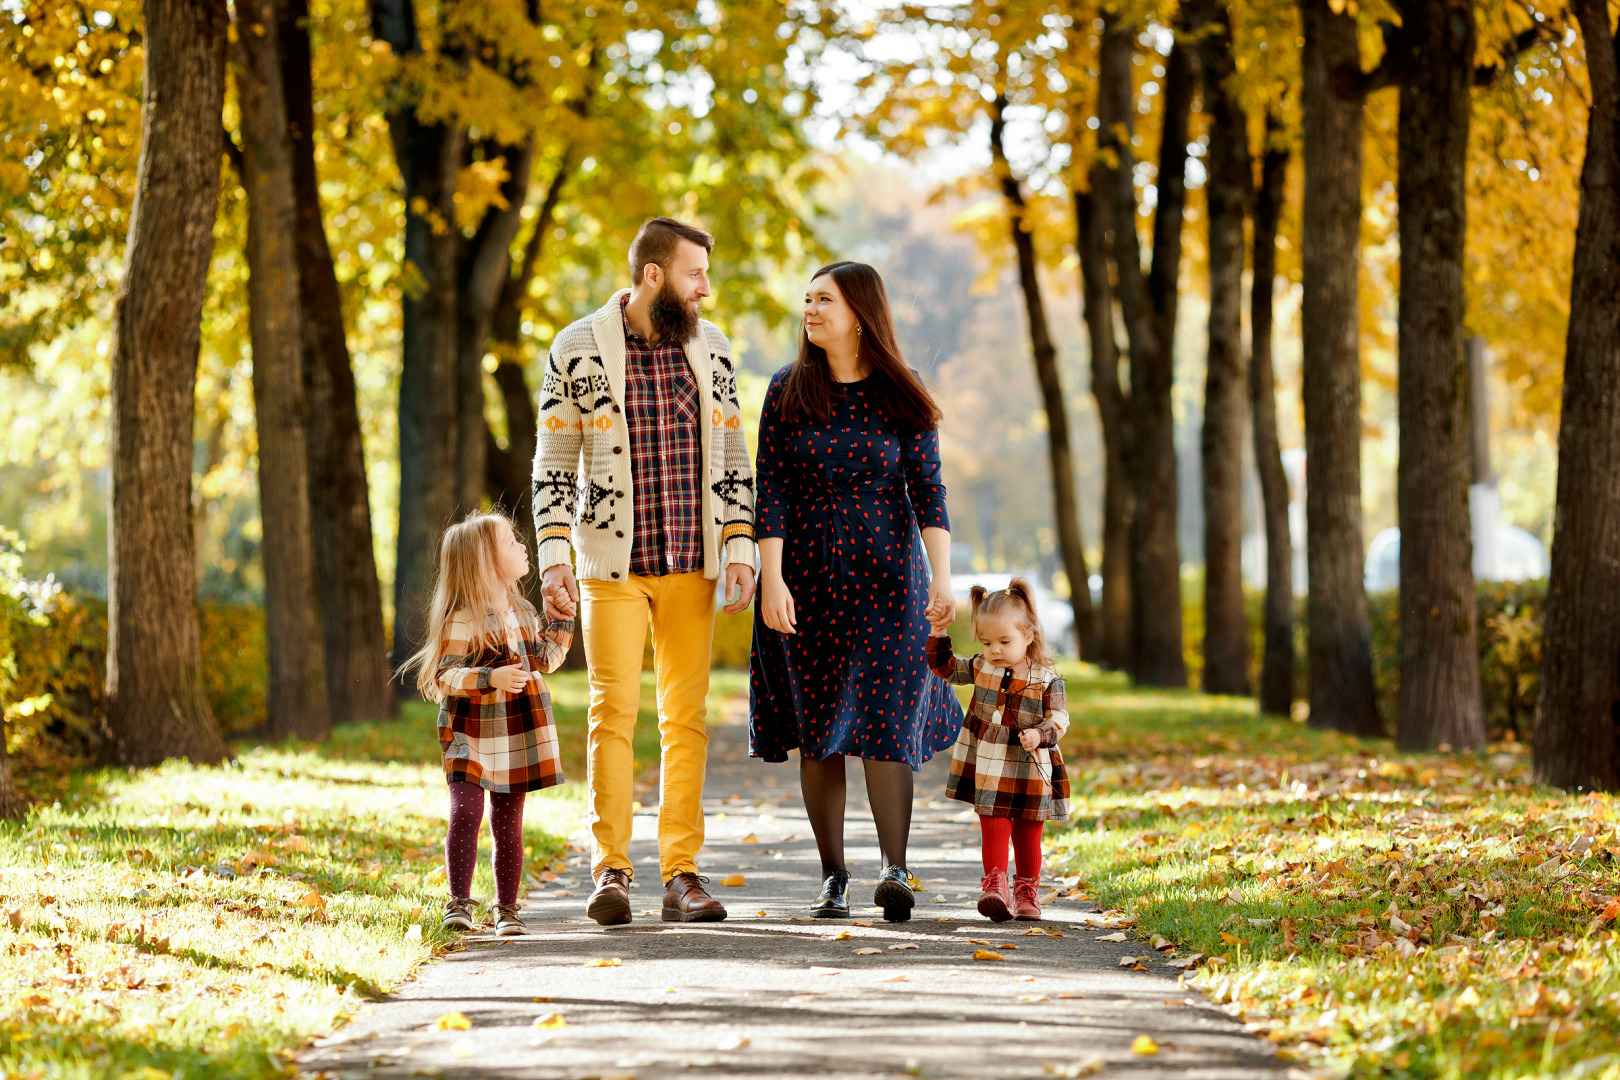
(1026, 905)
(507, 923)
(996, 902)
(457, 914)
(833, 903)
(893, 894)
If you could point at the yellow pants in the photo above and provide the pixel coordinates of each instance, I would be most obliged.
(615, 615)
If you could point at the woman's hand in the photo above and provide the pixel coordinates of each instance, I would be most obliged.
(509, 679)
(941, 609)
(776, 604)
(1030, 738)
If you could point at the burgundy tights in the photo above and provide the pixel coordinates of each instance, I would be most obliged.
(461, 842)
(995, 832)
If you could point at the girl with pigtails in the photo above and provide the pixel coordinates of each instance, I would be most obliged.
(1006, 761)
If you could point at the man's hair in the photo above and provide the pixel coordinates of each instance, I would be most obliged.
(657, 240)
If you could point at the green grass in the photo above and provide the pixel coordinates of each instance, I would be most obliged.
(123, 950)
(1374, 914)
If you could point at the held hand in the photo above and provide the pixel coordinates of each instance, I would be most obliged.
(741, 577)
(560, 591)
(509, 679)
(776, 605)
(1030, 738)
(941, 609)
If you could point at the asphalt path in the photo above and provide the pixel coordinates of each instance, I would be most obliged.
(770, 992)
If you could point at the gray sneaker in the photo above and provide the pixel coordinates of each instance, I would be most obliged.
(507, 923)
(457, 914)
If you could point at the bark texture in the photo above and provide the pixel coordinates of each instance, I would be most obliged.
(355, 644)
(297, 691)
(1059, 456)
(1094, 220)
(1341, 682)
(1277, 661)
(155, 703)
(1227, 193)
(1577, 743)
(1440, 691)
(1148, 302)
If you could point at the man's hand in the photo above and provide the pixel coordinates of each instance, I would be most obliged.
(740, 575)
(509, 679)
(560, 591)
(1030, 738)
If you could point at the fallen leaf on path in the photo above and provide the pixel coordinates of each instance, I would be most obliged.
(733, 1042)
(1185, 962)
(734, 881)
(550, 1020)
(986, 954)
(1033, 997)
(613, 961)
(842, 935)
(1087, 1066)
(1161, 944)
(1006, 945)
(453, 1021)
(858, 922)
(1129, 961)
(902, 947)
(1114, 937)
(971, 941)
(1144, 1044)
(750, 839)
(1037, 932)
(869, 951)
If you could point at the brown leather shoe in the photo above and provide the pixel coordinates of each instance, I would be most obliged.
(686, 900)
(610, 903)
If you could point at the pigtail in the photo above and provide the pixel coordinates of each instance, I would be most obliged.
(1018, 589)
(976, 597)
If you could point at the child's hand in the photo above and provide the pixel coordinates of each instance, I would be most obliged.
(1030, 738)
(509, 679)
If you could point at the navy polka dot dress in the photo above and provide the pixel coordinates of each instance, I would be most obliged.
(848, 498)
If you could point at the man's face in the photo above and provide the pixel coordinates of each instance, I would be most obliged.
(687, 279)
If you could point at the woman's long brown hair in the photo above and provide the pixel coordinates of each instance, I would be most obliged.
(809, 390)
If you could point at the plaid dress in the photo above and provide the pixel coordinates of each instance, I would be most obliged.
(989, 766)
(502, 742)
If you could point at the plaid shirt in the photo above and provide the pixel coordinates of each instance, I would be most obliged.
(666, 455)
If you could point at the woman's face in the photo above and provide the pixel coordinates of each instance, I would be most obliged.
(513, 556)
(828, 319)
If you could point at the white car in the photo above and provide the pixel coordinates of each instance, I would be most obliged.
(1056, 615)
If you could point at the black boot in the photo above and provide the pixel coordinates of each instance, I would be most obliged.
(893, 894)
(833, 903)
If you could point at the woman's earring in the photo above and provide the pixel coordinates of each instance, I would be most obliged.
(857, 329)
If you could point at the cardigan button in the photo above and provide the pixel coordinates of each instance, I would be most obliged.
(615, 408)
(618, 449)
(618, 494)
(615, 573)
(619, 533)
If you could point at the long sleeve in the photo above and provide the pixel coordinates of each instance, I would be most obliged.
(556, 458)
(548, 648)
(1055, 717)
(956, 670)
(923, 482)
(457, 675)
(737, 477)
(769, 512)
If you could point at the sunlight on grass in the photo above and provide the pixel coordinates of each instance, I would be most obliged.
(1374, 914)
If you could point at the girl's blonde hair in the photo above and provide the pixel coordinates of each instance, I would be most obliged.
(1016, 599)
(468, 580)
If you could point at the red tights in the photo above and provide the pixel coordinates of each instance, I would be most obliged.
(1025, 837)
(461, 841)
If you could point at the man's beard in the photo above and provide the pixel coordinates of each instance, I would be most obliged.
(673, 319)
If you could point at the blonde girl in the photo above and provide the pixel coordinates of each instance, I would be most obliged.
(1006, 761)
(482, 660)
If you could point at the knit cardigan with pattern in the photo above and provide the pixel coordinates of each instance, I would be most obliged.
(583, 488)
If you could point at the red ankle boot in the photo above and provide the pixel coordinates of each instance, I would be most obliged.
(996, 903)
(1026, 905)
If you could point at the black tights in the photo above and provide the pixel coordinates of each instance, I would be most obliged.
(888, 790)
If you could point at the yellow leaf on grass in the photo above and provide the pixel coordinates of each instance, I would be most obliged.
(986, 954)
(734, 881)
(1144, 1044)
(437, 876)
(610, 962)
(453, 1021)
(1490, 1038)
(1469, 997)
(312, 900)
(550, 1020)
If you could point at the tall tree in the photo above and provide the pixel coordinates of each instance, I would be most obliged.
(155, 703)
(1340, 643)
(1060, 457)
(356, 646)
(1440, 691)
(297, 692)
(1149, 303)
(1227, 192)
(1577, 744)
(1277, 659)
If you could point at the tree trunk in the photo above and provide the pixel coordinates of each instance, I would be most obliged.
(1149, 307)
(1277, 662)
(429, 157)
(356, 646)
(297, 691)
(155, 703)
(1060, 459)
(1440, 691)
(1094, 221)
(1341, 682)
(1227, 192)
(11, 804)
(1577, 732)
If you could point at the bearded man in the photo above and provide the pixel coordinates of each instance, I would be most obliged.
(642, 466)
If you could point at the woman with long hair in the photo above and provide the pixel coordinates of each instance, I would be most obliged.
(849, 502)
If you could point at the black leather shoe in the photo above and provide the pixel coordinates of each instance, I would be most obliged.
(893, 894)
(833, 903)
